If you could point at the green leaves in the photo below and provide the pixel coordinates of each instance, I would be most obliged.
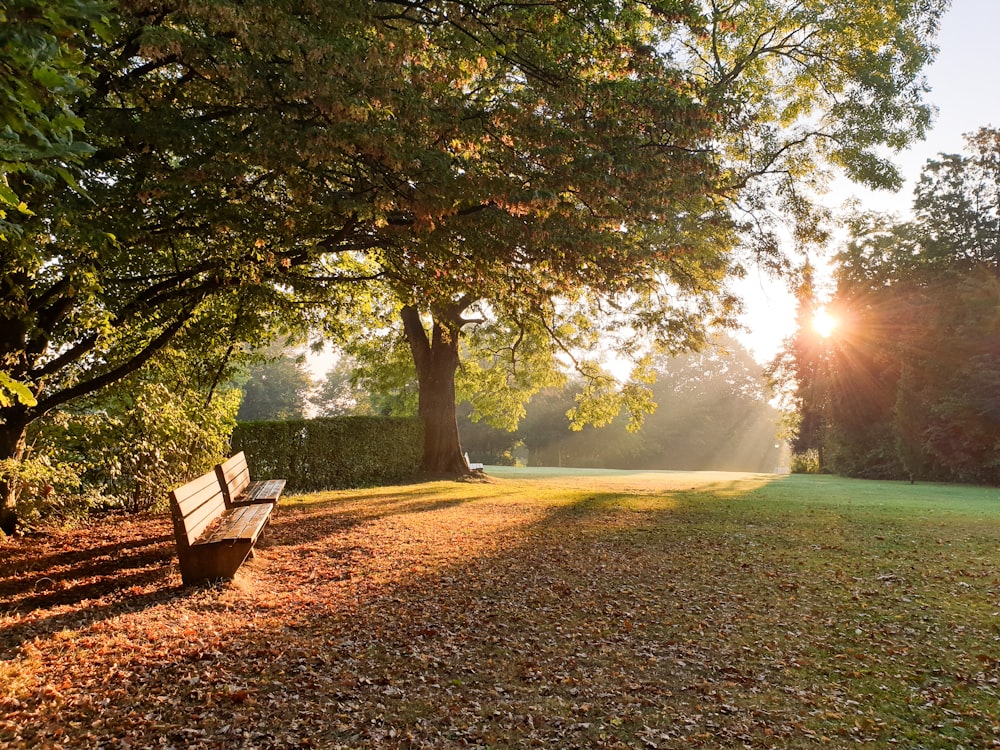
(805, 86)
(259, 168)
(11, 391)
(44, 74)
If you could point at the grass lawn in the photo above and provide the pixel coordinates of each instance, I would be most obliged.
(537, 608)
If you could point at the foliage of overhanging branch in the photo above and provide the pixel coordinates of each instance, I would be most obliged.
(608, 178)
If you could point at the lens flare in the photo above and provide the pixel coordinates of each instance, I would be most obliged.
(823, 323)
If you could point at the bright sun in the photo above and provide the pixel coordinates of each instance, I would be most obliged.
(824, 323)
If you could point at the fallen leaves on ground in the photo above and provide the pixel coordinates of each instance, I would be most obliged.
(503, 616)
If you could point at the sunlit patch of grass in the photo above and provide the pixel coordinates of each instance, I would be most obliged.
(554, 608)
(393, 493)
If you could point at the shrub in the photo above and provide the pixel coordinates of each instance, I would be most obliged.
(139, 440)
(335, 452)
(45, 491)
(163, 439)
(806, 462)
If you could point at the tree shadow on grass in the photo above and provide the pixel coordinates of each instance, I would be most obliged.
(53, 579)
(320, 521)
(57, 581)
(26, 559)
(468, 624)
(116, 601)
(98, 578)
(76, 579)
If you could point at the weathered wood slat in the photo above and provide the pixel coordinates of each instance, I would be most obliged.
(195, 492)
(265, 491)
(234, 476)
(196, 504)
(239, 524)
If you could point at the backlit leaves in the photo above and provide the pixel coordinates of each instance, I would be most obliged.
(42, 75)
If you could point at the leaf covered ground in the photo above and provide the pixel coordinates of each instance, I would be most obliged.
(604, 610)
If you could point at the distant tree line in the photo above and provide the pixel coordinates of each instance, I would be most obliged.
(908, 387)
(713, 411)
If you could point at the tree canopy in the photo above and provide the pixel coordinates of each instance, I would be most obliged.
(42, 76)
(554, 167)
(606, 196)
(908, 387)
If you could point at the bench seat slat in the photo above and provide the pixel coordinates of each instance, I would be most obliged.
(250, 520)
(234, 476)
(238, 524)
(265, 491)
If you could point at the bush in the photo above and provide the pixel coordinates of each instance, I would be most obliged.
(331, 453)
(806, 462)
(162, 440)
(45, 491)
(140, 439)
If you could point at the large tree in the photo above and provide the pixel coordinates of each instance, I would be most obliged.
(911, 376)
(568, 137)
(606, 159)
(530, 162)
(233, 172)
(957, 205)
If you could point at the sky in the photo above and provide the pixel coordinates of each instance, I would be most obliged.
(965, 87)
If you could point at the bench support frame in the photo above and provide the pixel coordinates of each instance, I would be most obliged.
(213, 541)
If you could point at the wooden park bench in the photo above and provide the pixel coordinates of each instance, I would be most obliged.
(212, 539)
(234, 476)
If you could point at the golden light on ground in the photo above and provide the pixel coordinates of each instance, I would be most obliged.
(823, 323)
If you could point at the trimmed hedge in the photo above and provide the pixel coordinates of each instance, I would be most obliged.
(332, 453)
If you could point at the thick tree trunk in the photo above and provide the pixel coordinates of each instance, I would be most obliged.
(12, 436)
(436, 360)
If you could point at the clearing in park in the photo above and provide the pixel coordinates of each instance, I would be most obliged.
(535, 608)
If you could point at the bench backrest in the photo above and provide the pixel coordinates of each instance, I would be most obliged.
(234, 476)
(193, 506)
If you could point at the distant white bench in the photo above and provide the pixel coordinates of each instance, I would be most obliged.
(472, 466)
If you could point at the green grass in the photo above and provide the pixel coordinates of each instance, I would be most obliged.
(542, 608)
(879, 602)
(889, 604)
(805, 609)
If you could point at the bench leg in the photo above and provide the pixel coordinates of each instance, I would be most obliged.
(211, 562)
